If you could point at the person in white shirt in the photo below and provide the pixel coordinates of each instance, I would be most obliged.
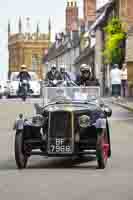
(115, 76)
(124, 80)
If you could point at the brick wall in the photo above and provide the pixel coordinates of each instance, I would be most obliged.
(89, 10)
(126, 11)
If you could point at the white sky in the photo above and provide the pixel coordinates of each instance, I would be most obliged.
(38, 11)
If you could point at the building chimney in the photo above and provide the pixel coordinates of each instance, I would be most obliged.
(72, 14)
(89, 10)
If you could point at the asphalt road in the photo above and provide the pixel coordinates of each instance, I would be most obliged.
(63, 179)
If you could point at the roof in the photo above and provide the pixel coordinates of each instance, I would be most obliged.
(58, 48)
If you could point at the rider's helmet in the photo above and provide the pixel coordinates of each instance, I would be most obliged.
(23, 68)
(62, 68)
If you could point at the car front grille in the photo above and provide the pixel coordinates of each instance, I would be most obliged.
(60, 132)
(60, 124)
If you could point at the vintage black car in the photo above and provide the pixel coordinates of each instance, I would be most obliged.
(72, 122)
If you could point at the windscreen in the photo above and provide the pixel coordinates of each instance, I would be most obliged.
(55, 94)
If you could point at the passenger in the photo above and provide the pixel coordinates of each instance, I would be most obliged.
(53, 74)
(64, 75)
(85, 78)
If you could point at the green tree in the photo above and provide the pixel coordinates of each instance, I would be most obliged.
(114, 42)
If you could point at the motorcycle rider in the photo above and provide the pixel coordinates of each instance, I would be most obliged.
(24, 75)
(85, 78)
(53, 74)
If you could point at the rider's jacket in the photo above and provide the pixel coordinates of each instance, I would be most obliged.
(80, 80)
(24, 76)
(50, 76)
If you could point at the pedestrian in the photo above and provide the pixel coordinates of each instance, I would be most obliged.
(115, 76)
(124, 80)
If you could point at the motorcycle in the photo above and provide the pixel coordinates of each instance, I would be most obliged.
(23, 90)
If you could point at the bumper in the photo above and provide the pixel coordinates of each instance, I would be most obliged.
(35, 93)
(12, 93)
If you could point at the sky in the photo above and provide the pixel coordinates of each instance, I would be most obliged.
(39, 12)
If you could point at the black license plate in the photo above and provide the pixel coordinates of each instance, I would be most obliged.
(60, 145)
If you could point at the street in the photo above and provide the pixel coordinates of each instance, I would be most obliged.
(63, 179)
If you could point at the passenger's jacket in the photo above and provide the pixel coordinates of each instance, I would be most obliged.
(64, 76)
(81, 81)
(52, 77)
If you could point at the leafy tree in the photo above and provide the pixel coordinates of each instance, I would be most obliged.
(114, 42)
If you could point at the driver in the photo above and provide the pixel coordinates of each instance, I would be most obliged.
(24, 75)
(53, 74)
(85, 77)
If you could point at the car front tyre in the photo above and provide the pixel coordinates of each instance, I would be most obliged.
(20, 157)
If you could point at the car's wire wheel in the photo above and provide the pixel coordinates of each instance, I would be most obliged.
(102, 151)
(20, 156)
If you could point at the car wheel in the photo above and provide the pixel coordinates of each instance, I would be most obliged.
(102, 151)
(20, 157)
(8, 96)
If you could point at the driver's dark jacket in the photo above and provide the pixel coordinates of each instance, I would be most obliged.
(24, 76)
(80, 80)
(52, 77)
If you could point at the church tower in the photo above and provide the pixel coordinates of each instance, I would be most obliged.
(27, 48)
(72, 15)
(89, 10)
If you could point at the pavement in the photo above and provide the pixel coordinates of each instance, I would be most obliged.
(126, 103)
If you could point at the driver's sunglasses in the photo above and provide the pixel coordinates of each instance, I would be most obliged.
(85, 72)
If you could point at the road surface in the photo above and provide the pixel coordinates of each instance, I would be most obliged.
(63, 179)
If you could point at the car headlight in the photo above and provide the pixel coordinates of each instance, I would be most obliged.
(84, 121)
(38, 120)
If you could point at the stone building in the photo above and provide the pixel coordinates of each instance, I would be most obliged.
(27, 48)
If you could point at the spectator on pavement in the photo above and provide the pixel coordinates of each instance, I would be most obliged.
(124, 80)
(115, 76)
